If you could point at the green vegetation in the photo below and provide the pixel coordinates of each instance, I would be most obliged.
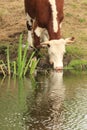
(78, 58)
(69, 15)
(78, 65)
(74, 24)
(82, 20)
(21, 66)
(3, 68)
(22, 63)
(8, 61)
(74, 6)
(76, 52)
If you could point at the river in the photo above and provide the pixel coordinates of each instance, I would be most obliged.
(46, 101)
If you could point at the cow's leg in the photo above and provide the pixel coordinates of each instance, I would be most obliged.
(44, 36)
(30, 30)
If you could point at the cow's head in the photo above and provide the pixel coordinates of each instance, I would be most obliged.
(56, 50)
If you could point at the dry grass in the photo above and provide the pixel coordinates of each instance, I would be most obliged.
(12, 21)
(75, 22)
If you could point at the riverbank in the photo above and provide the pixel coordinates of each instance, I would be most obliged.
(13, 23)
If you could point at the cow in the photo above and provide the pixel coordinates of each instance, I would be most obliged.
(44, 19)
(43, 15)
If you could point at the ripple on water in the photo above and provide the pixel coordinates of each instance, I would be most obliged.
(47, 108)
(76, 111)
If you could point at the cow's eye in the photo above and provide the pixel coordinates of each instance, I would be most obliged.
(48, 45)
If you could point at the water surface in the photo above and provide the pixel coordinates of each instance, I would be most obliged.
(53, 101)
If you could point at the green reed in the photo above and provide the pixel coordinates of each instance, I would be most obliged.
(22, 65)
(8, 61)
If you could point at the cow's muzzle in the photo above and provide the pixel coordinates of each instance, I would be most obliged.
(58, 69)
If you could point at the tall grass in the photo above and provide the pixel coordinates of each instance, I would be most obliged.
(23, 62)
(14, 68)
(22, 65)
(33, 65)
(3, 68)
(8, 61)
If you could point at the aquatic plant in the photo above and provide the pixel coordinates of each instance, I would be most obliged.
(14, 68)
(22, 65)
(33, 65)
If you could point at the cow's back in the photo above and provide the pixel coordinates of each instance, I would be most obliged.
(60, 5)
(44, 14)
(30, 7)
(40, 10)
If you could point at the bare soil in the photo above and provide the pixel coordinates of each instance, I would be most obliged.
(13, 22)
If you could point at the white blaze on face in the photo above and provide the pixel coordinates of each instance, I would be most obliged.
(56, 52)
(54, 13)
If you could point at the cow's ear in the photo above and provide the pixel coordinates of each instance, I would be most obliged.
(45, 44)
(70, 40)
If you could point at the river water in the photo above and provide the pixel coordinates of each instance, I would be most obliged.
(46, 101)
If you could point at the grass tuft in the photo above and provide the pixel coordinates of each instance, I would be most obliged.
(22, 65)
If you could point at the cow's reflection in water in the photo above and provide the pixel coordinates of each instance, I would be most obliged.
(45, 104)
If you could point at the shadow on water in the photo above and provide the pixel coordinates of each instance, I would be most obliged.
(53, 101)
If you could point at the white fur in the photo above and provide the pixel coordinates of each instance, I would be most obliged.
(29, 19)
(54, 13)
(38, 31)
(56, 52)
(42, 33)
(44, 36)
(30, 37)
(60, 25)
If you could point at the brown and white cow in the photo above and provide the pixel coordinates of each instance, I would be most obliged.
(45, 17)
